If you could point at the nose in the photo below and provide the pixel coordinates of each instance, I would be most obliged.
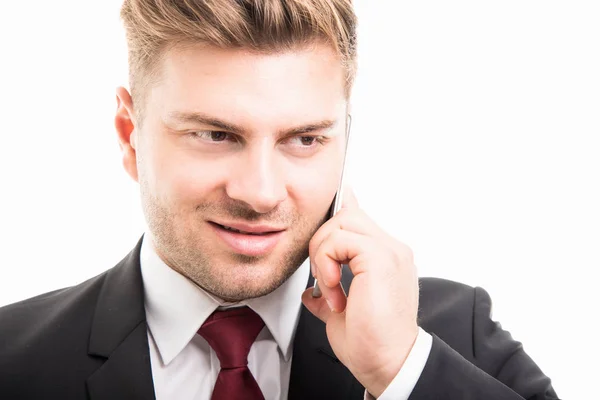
(257, 179)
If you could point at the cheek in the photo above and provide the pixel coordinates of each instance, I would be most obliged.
(181, 177)
(313, 188)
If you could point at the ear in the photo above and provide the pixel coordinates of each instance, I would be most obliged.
(125, 125)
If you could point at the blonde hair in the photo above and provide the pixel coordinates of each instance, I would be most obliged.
(265, 26)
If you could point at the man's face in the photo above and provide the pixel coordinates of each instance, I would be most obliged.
(242, 140)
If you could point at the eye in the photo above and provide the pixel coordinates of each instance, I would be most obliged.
(213, 136)
(307, 141)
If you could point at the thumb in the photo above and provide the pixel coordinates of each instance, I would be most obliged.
(316, 305)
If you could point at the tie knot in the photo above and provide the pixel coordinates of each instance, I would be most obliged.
(231, 333)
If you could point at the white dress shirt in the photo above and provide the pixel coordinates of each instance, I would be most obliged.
(185, 367)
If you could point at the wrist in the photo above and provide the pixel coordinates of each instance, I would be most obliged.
(378, 380)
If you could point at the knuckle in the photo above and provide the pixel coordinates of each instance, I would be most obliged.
(335, 236)
(400, 253)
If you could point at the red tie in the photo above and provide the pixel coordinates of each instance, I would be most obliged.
(231, 333)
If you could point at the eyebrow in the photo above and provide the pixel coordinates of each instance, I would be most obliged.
(200, 118)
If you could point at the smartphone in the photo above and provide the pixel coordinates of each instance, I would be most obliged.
(337, 200)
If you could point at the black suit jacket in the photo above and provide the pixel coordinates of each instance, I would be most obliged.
(90, 342)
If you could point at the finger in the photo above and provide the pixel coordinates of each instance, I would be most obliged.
(354, 220)
(340, 247)
(317, 306)
(334, 295)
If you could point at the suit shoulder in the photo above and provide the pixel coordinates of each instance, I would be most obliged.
(51, 314)
(460, 315)
(446, 309)
(55, 297)
(438, 292)
(433, 283)
(44, 337)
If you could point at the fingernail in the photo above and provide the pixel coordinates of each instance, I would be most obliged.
(329, 304)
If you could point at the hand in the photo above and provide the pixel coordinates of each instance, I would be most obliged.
(372, 330)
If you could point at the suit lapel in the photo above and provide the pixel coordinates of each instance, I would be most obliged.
(119, 334)
(316, 371)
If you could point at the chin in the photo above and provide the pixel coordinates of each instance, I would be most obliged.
(243, 291)
(248, 281)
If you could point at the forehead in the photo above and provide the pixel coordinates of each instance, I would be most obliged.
(258, 90)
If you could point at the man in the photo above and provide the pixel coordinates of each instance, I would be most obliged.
(235, 129)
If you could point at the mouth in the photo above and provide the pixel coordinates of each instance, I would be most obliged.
(248, 240)
(230, 229)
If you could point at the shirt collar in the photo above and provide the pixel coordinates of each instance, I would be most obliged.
(176, 307)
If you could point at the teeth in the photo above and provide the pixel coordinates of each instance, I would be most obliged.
(227, 228)
(231, 229)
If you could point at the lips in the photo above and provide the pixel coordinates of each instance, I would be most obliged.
(248, 240)
(244, 232)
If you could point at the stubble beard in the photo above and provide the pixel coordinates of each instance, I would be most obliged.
(180, 243)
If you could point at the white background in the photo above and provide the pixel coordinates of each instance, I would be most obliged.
(475, 141)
